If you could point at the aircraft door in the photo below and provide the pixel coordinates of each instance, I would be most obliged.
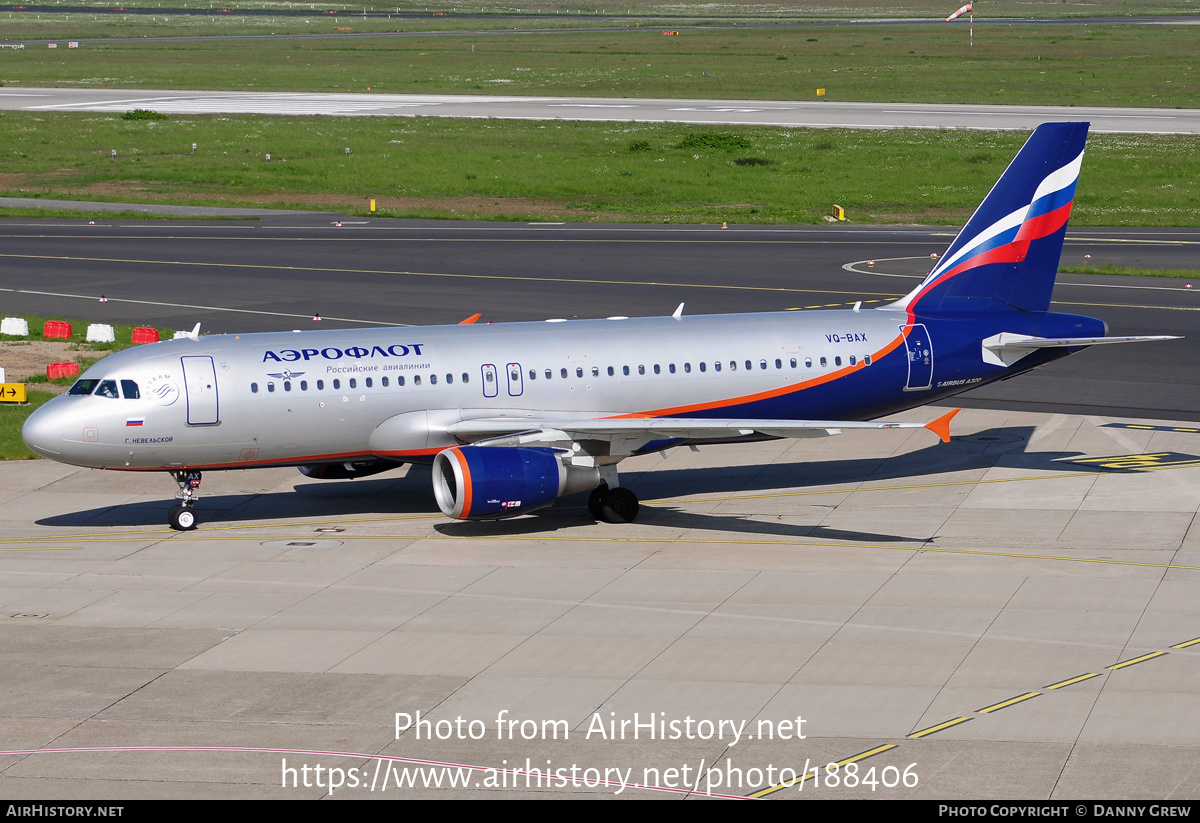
(200, 385)
(490, 384)
(920, 357)
(515, 383)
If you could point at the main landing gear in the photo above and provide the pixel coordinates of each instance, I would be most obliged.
(182, 517)
(618, 505)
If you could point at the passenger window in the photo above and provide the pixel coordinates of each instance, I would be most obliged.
(304, 385)
(253, 388)
(687, 368)
(368, 382)
(270, 387)
(383, 381)
(778, 363)
(837, 361)
(625, 370)
(450, 378)
(130, 390)
(824, 362)
(867, 359)
(432, 381)
(532, 374)
(852, 360)
(808, 362)
(657, 370)
(549, 374)
(748, 366)
(107, 388)
(595, 371)
(704, 366)
(320, 385)
(716, 366)
(416, 379)
(610, 371)
(733, 365)
(578, 371)
(400, 380)
(287, 385)
(353, 382)
(466, 377)
(641, 369)
(671, 368)
(563, 372)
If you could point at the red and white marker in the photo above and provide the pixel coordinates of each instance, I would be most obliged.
(968, 7)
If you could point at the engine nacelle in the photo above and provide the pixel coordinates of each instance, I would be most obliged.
(346, 471)
(491, 482)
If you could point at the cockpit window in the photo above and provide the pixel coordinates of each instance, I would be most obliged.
(83, 387)
(129, 388)
(107, 388)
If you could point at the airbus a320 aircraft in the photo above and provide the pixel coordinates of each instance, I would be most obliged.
(515, 415)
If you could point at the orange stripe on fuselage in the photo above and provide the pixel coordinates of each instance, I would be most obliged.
(766, 395)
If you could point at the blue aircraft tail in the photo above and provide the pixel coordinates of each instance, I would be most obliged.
(1006, 257)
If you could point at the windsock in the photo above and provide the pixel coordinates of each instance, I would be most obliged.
(960, 12)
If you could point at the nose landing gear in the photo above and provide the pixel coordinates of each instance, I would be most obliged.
(182, 517)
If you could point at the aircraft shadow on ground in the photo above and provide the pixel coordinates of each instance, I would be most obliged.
(412, 494)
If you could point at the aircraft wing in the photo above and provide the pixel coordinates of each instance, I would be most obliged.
(629, 434)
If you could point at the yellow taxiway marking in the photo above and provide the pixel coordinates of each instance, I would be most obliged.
(1004, 704)
(938, 728)
(808, 775)
(1134, 661)
(1062, 684)
(960, 720)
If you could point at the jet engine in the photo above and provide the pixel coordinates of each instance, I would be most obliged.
(346, 471)
(491, 482)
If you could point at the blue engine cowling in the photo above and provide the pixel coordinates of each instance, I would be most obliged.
(491, 482)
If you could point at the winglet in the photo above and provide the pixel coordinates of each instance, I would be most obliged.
(941, 426)
(470, 320)
(678, 315)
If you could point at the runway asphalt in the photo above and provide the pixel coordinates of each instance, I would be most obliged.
(278, 272)
(1009, 616)
(723, 112)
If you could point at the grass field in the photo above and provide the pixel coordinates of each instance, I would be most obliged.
(1035, 65)
(11, 419)
(518, 170)
(1128, 271)
(447, 10)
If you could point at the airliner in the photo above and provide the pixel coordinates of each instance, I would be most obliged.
(513, 416)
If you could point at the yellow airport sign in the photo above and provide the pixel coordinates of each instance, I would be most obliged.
(13, 393)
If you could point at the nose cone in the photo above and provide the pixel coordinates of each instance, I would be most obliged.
(42, 432)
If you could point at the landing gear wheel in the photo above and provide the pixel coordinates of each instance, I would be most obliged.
(596, 501)
(619, 505)
(182, 518)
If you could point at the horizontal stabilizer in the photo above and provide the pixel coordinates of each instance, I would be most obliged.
(1007, 348)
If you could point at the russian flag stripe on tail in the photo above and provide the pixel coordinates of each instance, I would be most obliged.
(1006, 257)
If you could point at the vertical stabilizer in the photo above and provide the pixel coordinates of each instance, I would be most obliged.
(1006, 257)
